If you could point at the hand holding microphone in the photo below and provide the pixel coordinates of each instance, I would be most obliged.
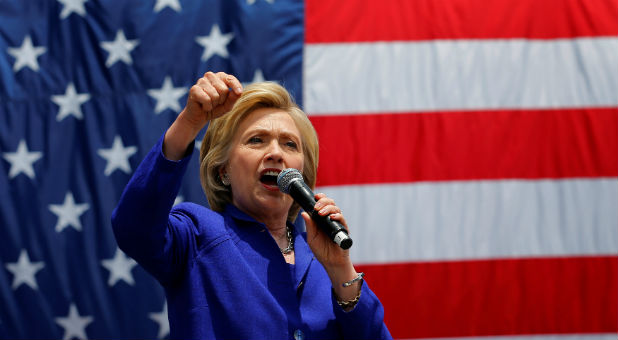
(290, 181)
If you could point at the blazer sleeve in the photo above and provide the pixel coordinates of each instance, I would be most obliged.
(366, 320)
(142, 224)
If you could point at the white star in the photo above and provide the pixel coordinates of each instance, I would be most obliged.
(178, 199)
(70, 103)
(161, 319)
(21, 160)
(251, 2)
(215, 43)
(26, 55)
(198, 144)
(167, 97)
(173, 4)
(117, 156)
(68, 213)
(119, 268)
(72, 6)
(258, 77)
(119, 49)
(74, 325)
(23, 270)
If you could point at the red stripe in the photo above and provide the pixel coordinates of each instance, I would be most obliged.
(498, 297)
(398, 148)
(388, 20)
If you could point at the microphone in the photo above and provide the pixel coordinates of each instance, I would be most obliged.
(290, 181)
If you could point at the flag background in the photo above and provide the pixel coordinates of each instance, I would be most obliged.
(472, 146)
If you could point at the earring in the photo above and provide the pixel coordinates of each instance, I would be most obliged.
(225, 179)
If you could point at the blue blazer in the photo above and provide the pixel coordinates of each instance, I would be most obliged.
(223, 273)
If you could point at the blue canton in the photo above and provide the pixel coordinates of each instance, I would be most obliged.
(86, 88)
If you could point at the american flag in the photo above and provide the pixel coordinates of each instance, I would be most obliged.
(472, 145)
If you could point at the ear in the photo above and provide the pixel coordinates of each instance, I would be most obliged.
(223, 175)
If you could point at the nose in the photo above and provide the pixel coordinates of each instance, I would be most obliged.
(274, 151)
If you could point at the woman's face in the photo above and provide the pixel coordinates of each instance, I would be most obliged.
(266, 142)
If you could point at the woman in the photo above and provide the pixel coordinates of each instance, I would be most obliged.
(240, 270)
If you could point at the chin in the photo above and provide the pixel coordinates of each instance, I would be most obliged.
(276, 203)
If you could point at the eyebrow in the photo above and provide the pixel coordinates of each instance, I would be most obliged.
(262, 131)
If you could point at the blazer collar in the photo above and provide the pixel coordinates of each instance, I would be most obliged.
(303, 255)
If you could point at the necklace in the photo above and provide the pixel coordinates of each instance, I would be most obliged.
(290, 246)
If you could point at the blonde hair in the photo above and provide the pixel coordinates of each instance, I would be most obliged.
(217, 141)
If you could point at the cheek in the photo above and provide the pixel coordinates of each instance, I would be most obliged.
(300, 163)
(242, 162)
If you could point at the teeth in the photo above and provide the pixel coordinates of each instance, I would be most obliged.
(271, 173)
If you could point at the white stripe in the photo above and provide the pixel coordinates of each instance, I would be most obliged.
(459, 75)
(480, 219)
(605, 336)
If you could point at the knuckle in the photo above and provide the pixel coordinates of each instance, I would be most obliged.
(220, 87)
(212, 78)
(196, 94)
(209, 89)
(207, 106)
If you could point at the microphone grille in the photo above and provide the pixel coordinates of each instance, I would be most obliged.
(286, 177)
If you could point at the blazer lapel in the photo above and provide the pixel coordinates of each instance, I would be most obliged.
(303, 257)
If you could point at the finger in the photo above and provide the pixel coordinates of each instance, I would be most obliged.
(228, 81)
(312, 232)
(323, 201)
(197, 95)
(219, 86)
(212, 93)
(232, 97)
(329, 209)
(339, 218)
(230, 100)
(319, 195)
(231, 82)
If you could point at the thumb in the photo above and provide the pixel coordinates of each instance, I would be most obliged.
(227, 106)
(310, 226)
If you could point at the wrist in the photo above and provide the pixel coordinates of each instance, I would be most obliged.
(348, 294)
(342, 275)
(178, 137)
(349, 304)
(187, 125)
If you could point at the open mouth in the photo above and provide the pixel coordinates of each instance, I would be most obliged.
(269, 177)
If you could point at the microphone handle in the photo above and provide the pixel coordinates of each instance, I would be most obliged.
(303, 195)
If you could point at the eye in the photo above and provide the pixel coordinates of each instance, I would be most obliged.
(291, 144)
(255, 140)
